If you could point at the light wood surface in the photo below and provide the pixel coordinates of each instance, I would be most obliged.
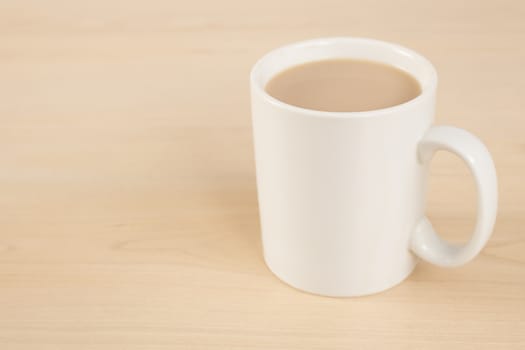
(128, 213)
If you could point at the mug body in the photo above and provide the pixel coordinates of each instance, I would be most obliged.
(340, 192)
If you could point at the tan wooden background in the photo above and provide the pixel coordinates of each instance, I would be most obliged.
(128, 214)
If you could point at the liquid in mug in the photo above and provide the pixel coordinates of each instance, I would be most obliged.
(343, 85)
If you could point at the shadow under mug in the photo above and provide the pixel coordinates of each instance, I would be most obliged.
(342, 194)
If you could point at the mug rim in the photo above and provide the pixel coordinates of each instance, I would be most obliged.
(426, 90)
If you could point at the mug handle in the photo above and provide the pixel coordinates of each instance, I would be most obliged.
(425, 242)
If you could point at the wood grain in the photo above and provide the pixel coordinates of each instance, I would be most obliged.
(127, 195)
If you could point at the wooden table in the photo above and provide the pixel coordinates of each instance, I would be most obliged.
(127, 192)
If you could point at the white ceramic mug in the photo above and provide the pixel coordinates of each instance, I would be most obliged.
(342, 194)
